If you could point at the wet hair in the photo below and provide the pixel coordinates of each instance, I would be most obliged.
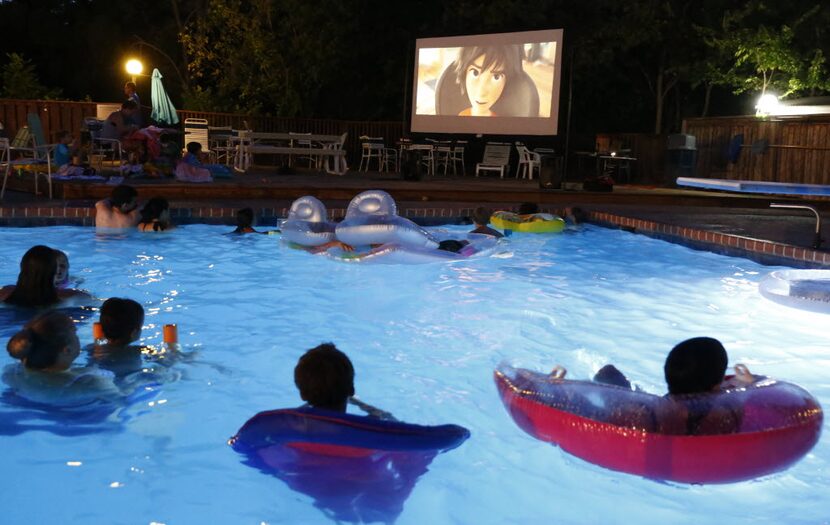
(245, 218)
(579, 215)
(325, 377)
(505, 58)
(481, 216)
(153, 210)
(129, 104)
(122, 194)
(130, 85)
(451, 245)
(528, 208)
(695, 365)
(194, 148)
(36, 280)
(41, 340)
(120, 318)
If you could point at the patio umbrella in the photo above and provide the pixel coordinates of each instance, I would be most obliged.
(164, 113)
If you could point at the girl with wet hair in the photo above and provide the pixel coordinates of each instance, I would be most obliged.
(35, 286)
(155, 216)
(46, 347)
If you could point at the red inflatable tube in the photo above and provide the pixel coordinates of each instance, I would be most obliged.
(736, 434)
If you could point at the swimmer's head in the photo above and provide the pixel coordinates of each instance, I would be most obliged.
(325, 377)
(121, 320)
(451, 245)
(481, 216)
(695, 365)
(528, 208)
(245, 218)
(47, 342)
(62, 268)
(124, 198)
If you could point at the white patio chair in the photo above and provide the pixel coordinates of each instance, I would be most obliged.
(27, 152)
(371, 148)
(197, 130)
(529, 161)
(298, 141)
(496, 158)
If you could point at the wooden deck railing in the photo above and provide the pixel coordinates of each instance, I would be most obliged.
(64, 115)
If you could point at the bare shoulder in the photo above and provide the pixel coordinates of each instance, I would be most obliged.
(6, 291)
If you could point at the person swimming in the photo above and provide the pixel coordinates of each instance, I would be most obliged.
(325, 378)
(36, 282)
(46, 348)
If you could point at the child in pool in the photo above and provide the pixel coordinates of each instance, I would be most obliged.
(325, 378)
(35, 286)
(121, 322)
(47, 346)
(694, 366)
(481, 218)
(485, 73)
(155, 216)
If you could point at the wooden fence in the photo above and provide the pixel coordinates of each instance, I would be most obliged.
(62, 115)
(791, 149)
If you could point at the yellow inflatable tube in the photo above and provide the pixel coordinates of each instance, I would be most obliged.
(534, 223)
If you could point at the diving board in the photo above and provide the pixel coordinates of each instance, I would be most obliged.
(751, 186)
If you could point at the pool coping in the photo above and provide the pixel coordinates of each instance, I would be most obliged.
(762, 251)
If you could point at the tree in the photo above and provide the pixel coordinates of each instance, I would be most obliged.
(20, 80)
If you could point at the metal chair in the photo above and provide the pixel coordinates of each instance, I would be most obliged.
(371, 148)
(457, 155)
(298, 141)
(221, 144)
(29, 154)
(102, 146)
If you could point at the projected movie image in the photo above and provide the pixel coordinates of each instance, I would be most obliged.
(489, 85)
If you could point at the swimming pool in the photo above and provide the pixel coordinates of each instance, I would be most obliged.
(424, 341)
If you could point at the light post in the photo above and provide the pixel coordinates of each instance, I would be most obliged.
(134, 67)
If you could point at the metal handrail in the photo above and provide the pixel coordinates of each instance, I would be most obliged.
(817, 237)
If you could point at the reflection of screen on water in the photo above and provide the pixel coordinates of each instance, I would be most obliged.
(503, 84)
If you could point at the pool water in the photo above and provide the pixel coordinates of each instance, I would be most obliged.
(424, 341)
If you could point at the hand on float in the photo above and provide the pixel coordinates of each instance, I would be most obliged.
(371, 410)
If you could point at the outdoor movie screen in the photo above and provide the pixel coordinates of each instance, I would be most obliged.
(498, 84)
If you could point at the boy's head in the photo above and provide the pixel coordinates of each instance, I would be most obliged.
(245, 218)
(65, 137)
(124, 198)
(695, 365)
(452, 245)
(528, 208)
(481, 216)
(129, 88)
(121, 320)
(194, 148)
(325, 377)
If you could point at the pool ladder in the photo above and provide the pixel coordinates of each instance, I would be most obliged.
(817, 237)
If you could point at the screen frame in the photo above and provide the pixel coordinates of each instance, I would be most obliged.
(547, 126)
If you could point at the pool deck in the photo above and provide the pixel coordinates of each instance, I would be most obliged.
(732, 223)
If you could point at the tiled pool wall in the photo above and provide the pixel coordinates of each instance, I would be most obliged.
(758, 250)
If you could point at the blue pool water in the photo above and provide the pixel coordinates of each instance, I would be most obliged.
(424, 341)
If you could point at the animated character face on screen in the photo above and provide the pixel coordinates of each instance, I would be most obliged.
(485, 73)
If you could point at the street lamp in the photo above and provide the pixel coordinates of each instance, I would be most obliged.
(134, 67)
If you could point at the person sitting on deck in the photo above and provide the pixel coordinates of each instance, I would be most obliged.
(325, 378)
(120, 210)
(35, 286)
(481, 218)
(191, 166)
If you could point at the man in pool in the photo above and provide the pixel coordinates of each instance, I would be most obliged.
(325, 378)
(120, 210)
